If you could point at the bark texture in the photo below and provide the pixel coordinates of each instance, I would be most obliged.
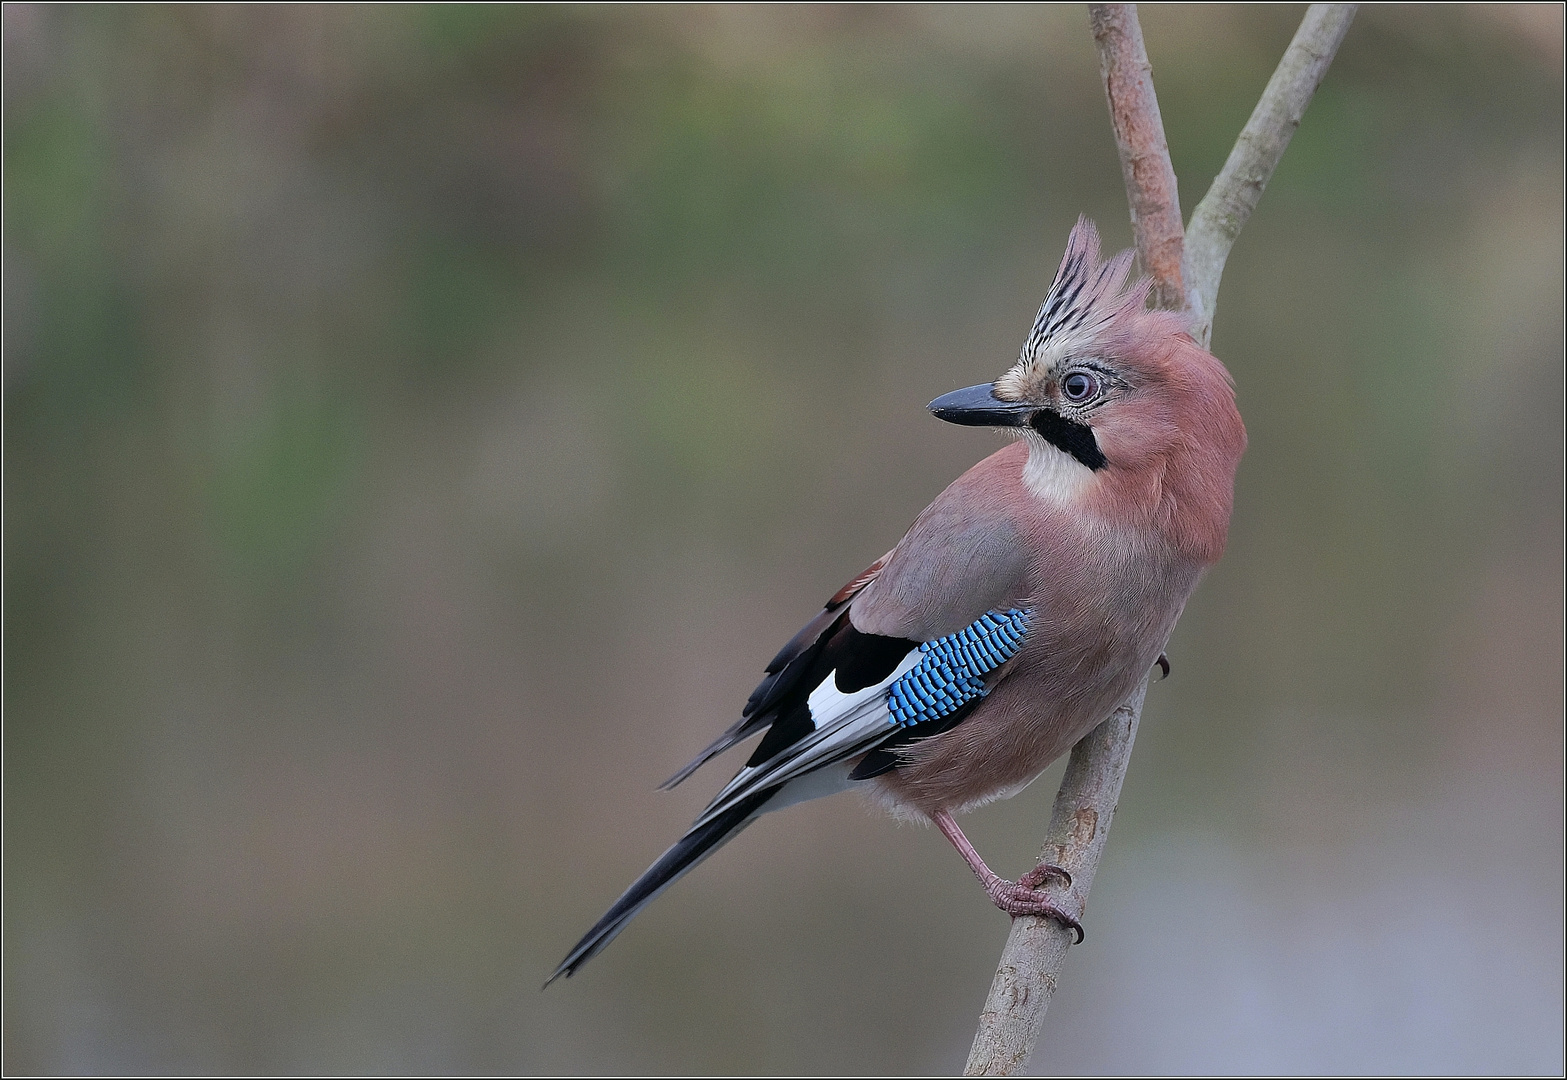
(1139, 139)
(1079, 823)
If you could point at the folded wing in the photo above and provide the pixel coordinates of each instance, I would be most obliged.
(903, 652)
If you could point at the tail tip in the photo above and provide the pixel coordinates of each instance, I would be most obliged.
(680, 775)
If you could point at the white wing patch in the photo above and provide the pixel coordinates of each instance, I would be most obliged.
(829, 704)
(845, 725)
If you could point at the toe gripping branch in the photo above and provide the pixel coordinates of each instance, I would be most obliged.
(1029, 898)
(1043, 873)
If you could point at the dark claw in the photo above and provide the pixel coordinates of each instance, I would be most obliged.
(1063, 918)
(1164, 666)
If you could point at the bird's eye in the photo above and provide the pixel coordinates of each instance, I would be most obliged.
(1079, 387)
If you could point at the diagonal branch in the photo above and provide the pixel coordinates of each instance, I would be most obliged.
(1036, 948)
(1026, 977)
(1218, 219)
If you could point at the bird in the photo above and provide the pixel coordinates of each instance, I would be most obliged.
(1019, 610)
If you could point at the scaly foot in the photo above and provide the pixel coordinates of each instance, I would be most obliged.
(1017, 898)
(1021, 897)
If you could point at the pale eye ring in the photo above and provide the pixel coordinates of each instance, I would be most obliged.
(1080, 386)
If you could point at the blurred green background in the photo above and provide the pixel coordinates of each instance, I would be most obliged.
(421, 424)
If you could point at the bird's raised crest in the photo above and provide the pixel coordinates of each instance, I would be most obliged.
(1086, 296)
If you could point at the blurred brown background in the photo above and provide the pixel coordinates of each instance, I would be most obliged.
(421, 424)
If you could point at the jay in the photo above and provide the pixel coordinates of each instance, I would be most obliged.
(1023, 605)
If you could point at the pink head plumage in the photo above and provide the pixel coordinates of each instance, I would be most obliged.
(1166, 422)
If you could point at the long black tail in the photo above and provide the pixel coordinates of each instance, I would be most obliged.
(671, 866)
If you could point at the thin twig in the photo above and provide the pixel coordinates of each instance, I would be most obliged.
(1139, 139)
(1030, 964)
(1218, 219)
(1036, 948)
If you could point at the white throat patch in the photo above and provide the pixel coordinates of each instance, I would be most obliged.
(1053, 474)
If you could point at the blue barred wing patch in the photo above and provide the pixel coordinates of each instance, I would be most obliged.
(952, 672)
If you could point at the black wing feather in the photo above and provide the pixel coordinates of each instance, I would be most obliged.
(854, 659)
(785, 672)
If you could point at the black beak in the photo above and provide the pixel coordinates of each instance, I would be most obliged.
(978, 406)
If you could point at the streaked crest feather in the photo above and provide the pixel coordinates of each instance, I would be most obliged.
(1085, 296)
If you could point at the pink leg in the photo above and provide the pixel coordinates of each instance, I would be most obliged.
(1022, 897)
